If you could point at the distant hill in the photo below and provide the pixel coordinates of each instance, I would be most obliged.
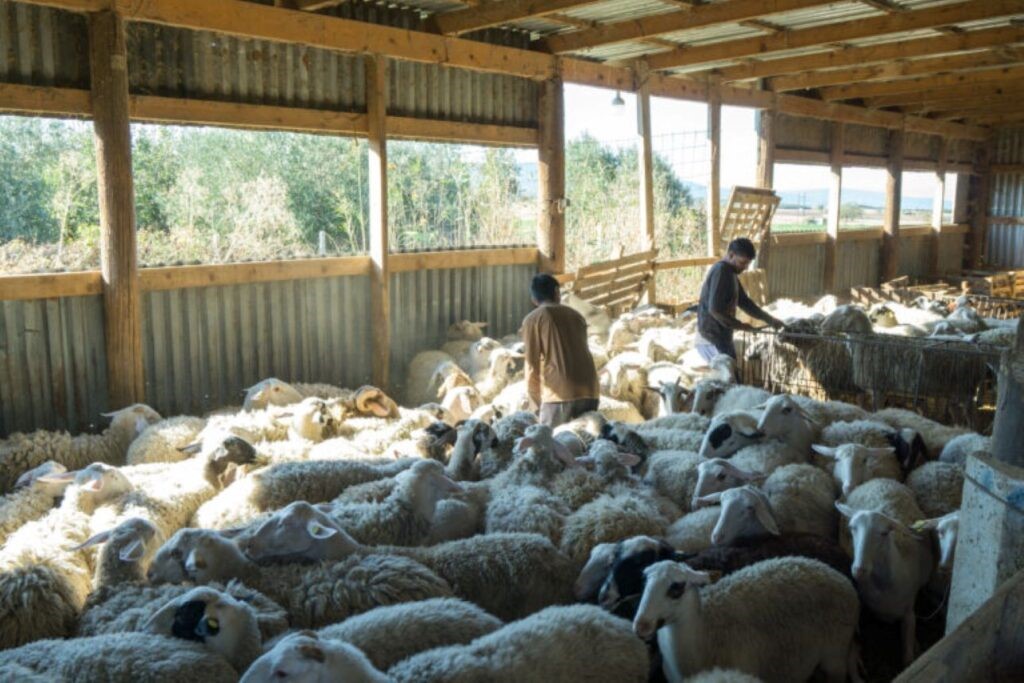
(819, 197)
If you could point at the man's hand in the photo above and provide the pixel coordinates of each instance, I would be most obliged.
(777, 324)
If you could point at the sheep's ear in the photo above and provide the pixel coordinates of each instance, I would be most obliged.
(562, 452)
(697, 578)
(312, 651)
(845, 510)
(824, 450)
(761, 406)
(764, 516)
(133, 552)
(317, 530)
(162, 620)
(751, 435)
(61, 478)
(101, 537)
(630, 459)
(710, 499)
(324, 507)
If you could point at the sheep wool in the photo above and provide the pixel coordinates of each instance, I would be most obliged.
(692, 532)
(935, 435)
(528, 509)
(163, 441)
(673, 474)
(801, 498)
(958, 448)
(938, 487)
(889, 497)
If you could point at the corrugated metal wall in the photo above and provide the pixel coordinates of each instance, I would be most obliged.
(857, 264)
(951, 253)
(42, 46)
(425, 302)
(1006, 240)
(914, 256)
(203, 346)
(796, 271)
(53, 371)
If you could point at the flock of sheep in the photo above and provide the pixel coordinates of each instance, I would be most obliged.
(691, 527)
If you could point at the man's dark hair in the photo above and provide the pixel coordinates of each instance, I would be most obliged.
(741, 246)
(543, 288)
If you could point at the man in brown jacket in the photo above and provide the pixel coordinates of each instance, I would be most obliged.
(560, 374)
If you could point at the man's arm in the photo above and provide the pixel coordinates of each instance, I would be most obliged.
(720, 296)
(531, 340)
(753, 310)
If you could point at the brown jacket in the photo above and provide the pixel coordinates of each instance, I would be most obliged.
(559, 366)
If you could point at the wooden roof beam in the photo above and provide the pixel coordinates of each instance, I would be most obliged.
(955, 94)
(898, 69)
(887, 6)
(837, 32)
(910, 85)
(497, 13)
(698, 17)
(860, 56)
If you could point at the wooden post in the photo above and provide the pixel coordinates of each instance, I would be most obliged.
(646, 159)
(551, 177)
(835, 202)
(108, 63)
(938, 202)
(380, 285)
(765, 172)
(1008, 428)
(890, 262)
(980, 200)
(714, 168)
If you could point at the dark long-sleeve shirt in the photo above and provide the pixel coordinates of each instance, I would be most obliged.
(720, 296)
(559, 366)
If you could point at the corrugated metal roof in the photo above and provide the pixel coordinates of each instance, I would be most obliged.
(620, 10)
(713, 34)
(620, 51)
(825, 14)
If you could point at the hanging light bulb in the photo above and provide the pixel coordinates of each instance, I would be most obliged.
(617, 101)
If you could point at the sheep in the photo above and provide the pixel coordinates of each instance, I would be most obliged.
(846, 319)
(890, 565)
(664, 343)
(779, 619)
(598, 320)
(719, 474)
(33, 496)
(688, 421)
(610, 518)
(692, 531)
(578, 642)
(946, 530)
(620, 337)
(826, 412)
(270, 392)
(643, 439)
(784, 419)
(466, 330)
(508, 574)
(497, 376)
(719, 675)
(427, 370)
(706, 394)
(935, 435)
(615, 410)
(910, 447)
(387, 635)
(938, 487)
(513, 398)
(885, 321)
(958, 448)
(472, 356)
(728, 433)
(739, 397)
(674, 475)
(23, 452)
(671, 397)
(528, 509)
(889, 497)
(462, 402)
(624, 377)
(305, 656)
(163, 440)
(320, 594)
(856, 464)
(122, 656)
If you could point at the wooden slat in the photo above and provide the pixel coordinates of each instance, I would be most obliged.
(698, 17)
(457, 131)
(584, 285)
(1004, 74)
(241, 115)
(835, 201)
(899, 69)
(915, 231)
(551, 177)
(469, 258)
(862, 235)
(645, 154)
(835, 33)
(616, 287)
(798, 239)
(948, 96)
(1006, 168)
(33, 99)
(495, 13)
(1005, 220)
(376, 70)
(179, 277)
(604, 266)
(713, 205)
(890, 255)
(784, 155)
(689, 262)
(50, 285)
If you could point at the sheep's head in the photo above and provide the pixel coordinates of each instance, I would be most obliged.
(43, 478)
(440, 435)
(304, 656)
(746, 513)
(270, 392)
(214, 558)
(781, 416)
(672, 396)
(95, 484)
(538, 441)
(502, 364)
(873, 534)
(665, 583)
(619, 336)
(299, 531)
(717, 475)
(911, 449)
(852, 462)
(132, 420)
(728, 433)
(625, 438)
(372, 401)
(217, 620)
(607, 460)
(706, 394)
(947, 531)
(449, 377)
(479, 432)
(624, 581)
(132, 542)
(226, 460)
(426, 484)
(462, 402)
(881, 315)
(439, 413)
(168, 565)
(466, 330)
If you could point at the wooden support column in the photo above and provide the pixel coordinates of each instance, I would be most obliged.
(890, 262)
(108, 63)
(980, 200)
(551, 177)
(938, 202)
(765, 173)
(380, 277)
(1008, 428)
(835, 203)
(714, 199)
(646, 159)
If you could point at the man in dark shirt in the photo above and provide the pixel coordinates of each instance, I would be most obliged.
(720, 296)
(560, 373)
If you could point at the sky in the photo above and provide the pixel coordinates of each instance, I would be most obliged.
(590, 110)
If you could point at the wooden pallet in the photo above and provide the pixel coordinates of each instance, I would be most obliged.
(748, 214)
(997, 284)
(755, 282)
(618, 284)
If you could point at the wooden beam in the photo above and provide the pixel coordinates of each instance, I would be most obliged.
(835, 202)
(984, 106)
(887, 6)
(836, 33)
(858, 91)
(645, 156)
(890, 256)
(76, 5)
(462, 258)
(220, 274)
(50, 285)
(798, 239)
(979, 202)
(496, 13)
(701, 16)
(380, 279)
(714, 169)
(938, 202)
(688, 262)
(35, 99)
(551, 177)
(858, 56)
(897, 69)
(766, 120)
(944, 96)
(170, 110)
(458, 131)
(108, 65)
(310, 5)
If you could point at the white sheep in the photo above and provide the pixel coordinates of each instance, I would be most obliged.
(947, 531)
(718, 474)
(739, 397)
(270, 392)
(846, 319)
(427, 370)
(785, 420)
(780, 619)
(938, 487)
(33, 496)
(935, 435)
(615, 410)
(960, 447)
(692, 532)
(472, 356)
(889, 497)
(624, 377)
(674, 475)
(498, 374)
(528, 509)
(163, 440)
(611, 518)
(665, 343)
(855, 464)
(728, 433)
(706, 394)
